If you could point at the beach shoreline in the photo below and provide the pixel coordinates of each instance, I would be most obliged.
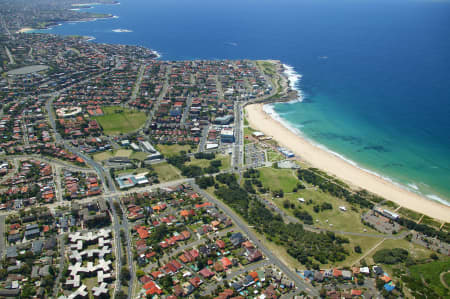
(353, 175)
(25, 29)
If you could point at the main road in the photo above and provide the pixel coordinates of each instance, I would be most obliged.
(244, 227)
(109, 187)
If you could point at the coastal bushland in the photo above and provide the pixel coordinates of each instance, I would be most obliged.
(309, 248)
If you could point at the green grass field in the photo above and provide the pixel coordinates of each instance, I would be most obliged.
(366, 243)
(139, 156)
(335, 219)
(248, 131)
(103, 156)
(447, 278)
(166, 172)
(274, 156)
(267, 67)
(203, 163)
(409, 213)
(173, 149)
(109, 154)
(117, 120)
(430, 272)
(131, 171)
(276, 179)
(416, 251)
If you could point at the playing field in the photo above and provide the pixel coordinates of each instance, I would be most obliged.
(118, 120)
(166, 172)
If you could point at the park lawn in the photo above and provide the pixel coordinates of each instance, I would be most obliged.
(431, 272)
(348, 221)
(109, 154)
(131, 171)
(447, 278)
(274, 156)
(166, 172)
(275, 179)
(103, 156)
(173, 149)
(267, 67)
(416, 251)
(366, 243)
(204, 163)
(90, 283)
(248, 131)
(117, 120)
(123, 153)
(139, 156)
(226, 161)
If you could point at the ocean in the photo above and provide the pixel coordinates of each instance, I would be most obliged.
(374, 75)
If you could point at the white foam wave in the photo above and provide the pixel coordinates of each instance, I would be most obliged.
(294, 81)
(414, 186)
(120, 30)
(158, 55)
(438, 199)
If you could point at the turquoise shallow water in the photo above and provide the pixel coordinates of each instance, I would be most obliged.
(376, 73)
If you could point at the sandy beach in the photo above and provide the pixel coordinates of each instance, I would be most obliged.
(317, 157)
(25, 29)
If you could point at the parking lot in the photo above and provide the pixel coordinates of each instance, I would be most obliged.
(254, 156)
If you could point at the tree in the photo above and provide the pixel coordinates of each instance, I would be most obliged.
(390, 256)
(28, 291)
(140, 273)
(278, 193)
(205, 181)
(125, 274)
(166, 282)
(316, 209)
(121, 295)
(358, 249)
(323, 293)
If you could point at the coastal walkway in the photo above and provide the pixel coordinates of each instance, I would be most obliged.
(368, 252)
(442, 278)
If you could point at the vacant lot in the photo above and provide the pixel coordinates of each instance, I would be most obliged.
(117, 120)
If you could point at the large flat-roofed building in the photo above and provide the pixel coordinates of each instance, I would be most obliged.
(227, 135)
(224, 120)
(131, 180)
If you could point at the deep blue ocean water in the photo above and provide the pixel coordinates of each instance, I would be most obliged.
(375, 73)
